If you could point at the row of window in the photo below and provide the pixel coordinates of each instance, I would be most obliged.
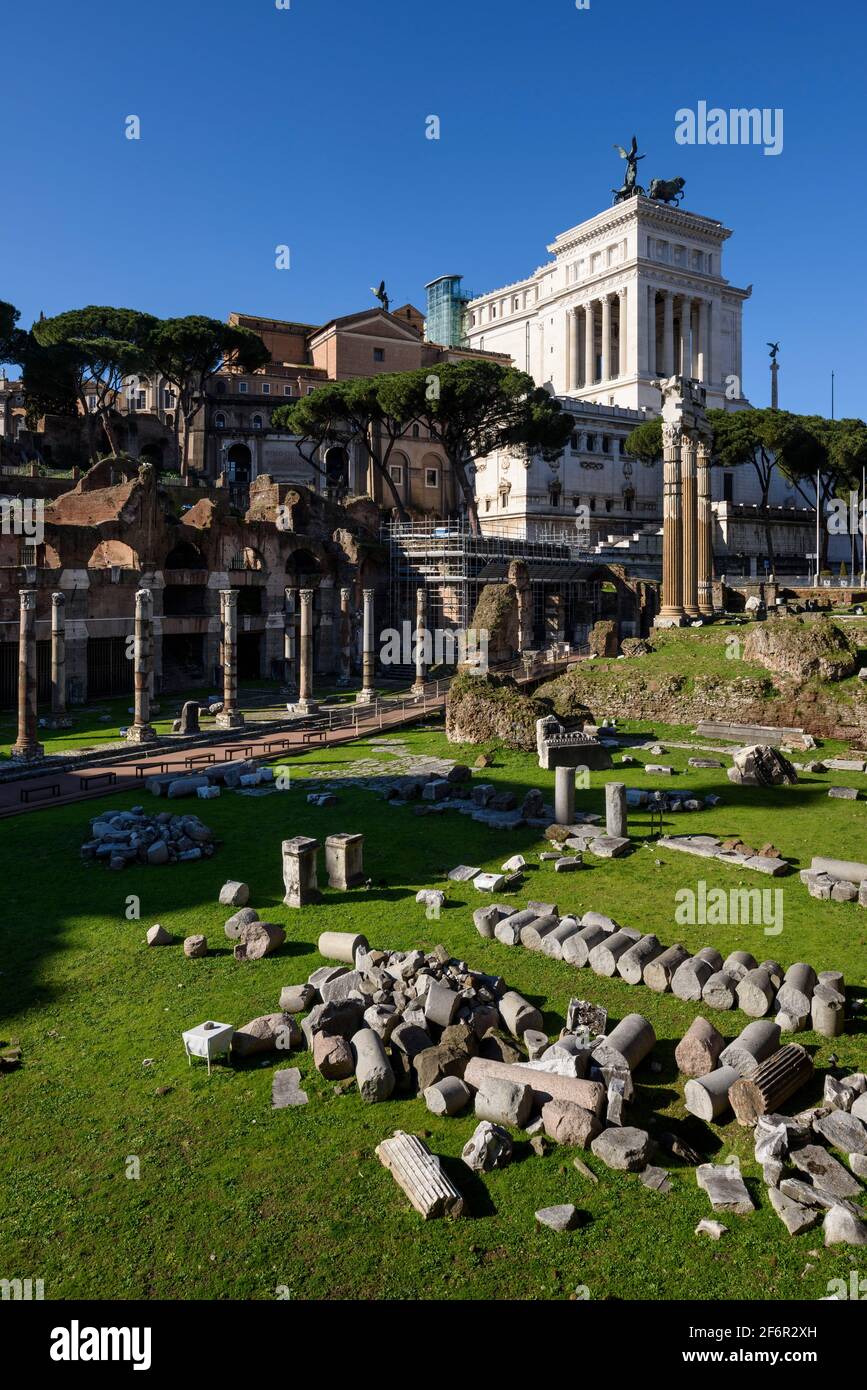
(608, 444)
(431, 475)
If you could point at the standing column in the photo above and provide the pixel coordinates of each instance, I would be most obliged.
(345, 637)
(702, 340)
(671, 611)
(306, 704)
(26, 747)
(668, 334)
(230, 716)
(622, 336)
(58, 659)
(589, 345)
(605, 374)
(652, 361)
(367, 693)
(140, 730)
(705, 528)
(564, 795)
(690, 527)
(685, 337)
(420, 639)
(290, 645)
(572, 335)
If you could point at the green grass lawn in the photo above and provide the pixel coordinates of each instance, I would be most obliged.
(235, 1199)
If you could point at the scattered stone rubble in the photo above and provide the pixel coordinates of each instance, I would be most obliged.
(766, 860)
(121, 838)
(841, 880)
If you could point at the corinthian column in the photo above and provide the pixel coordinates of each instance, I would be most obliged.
(26, 747)
(690, 527)
(58, 658)
(345, 637)
(572, 349)
(230, 717)
(668, 333)
(705, 528)
(306, 703)
(367, 692)
(606, 338)
(140, 730)
(671, 612)
(420, 639)
(685, 369)
(589, 344)
(703, 328)
(621, 333)
(290, 642)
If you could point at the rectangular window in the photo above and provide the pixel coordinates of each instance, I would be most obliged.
(396, 471)
(91, 402)
(431, 477)
(242, 388)
(379, 354)
(141, 400)
(266, 389)
(169, 401)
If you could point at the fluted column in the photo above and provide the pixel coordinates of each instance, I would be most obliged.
(668, 334)
(703, 325)
(685, 368)
(672, 523)
(140, 730)
(367, 692)
(605, 374)
(230, 716)
(345, 637)
(689, 504)
(589, 344)
(27, 747)
(622, 337)
(290, 639)
(652, 363)
(572, 349)
(58, 658)
(705, 528)
(420, 639)
(306, 703)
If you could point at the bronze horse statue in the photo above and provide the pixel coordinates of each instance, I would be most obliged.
(666, 190)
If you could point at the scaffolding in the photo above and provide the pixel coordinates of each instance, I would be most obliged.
(453, 565)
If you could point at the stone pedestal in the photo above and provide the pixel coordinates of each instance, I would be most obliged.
(140, 730)
(367, 693)
(564, 795)
(420, 639)
(615, 809)
(345, 637)
(344, 860)
(230, 716)
(299, 871)
(27, 748)
(306, 704)
(58, 659)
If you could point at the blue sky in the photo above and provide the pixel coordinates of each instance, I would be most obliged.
(306, 127)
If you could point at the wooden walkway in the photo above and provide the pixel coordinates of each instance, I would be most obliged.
(58, 786)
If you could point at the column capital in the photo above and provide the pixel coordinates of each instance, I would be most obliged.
(345, 595)
(58, 600)
(306, 596)
(27, 599)
(229, 597)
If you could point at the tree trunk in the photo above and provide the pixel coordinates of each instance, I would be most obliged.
(371, 440)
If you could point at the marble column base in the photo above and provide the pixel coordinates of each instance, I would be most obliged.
(27, 752)
(306, 707)
(669, 620)
(229, 719)
(365, 697)
(141, 733)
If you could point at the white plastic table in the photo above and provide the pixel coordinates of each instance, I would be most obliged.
(208, 1040)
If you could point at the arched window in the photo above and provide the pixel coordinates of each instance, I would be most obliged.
(257, 422)
(220, 420)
